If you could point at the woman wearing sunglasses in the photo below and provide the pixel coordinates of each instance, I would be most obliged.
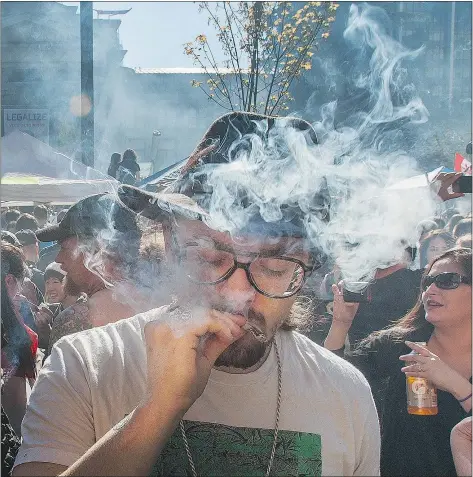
(412, 444)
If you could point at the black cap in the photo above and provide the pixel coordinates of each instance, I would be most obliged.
(190, 195)
(90, 215)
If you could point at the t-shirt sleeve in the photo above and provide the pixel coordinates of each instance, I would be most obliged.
(58, 425)
(370, 443)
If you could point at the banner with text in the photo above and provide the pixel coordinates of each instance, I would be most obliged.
(34, 122)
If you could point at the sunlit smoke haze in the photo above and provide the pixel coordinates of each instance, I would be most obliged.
(370, 227)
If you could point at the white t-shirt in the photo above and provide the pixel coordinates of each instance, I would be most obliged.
(328, 422)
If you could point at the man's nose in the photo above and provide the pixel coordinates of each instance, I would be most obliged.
(238, 288)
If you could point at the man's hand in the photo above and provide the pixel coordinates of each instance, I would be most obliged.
(179, 364)
(443, 186)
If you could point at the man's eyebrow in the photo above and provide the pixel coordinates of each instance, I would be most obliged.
(280, 249)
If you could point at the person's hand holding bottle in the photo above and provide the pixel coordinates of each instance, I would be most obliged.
(427, 365)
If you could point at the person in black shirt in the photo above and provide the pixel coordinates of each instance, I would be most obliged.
(394, 292)
(411, 444)
(114, 163)
(129, 170)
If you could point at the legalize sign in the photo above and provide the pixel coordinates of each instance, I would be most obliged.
(34, 122)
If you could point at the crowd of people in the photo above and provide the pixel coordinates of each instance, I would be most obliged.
(156, 344)
(125, 168)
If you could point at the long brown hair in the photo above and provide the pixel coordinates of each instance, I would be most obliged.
(414, 322)
(15, 339)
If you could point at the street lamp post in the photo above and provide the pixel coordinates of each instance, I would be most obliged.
(87, 83)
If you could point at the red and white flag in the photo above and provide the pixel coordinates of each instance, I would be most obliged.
(461, 164)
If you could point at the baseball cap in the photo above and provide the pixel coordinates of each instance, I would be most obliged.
(90, 215)
(189, 196)
(54, 270)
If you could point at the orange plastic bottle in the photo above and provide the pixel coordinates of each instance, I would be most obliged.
(421, 395)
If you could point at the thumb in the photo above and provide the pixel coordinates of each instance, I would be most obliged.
(219, 340)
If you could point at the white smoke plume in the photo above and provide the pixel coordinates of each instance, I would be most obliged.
(370, 226)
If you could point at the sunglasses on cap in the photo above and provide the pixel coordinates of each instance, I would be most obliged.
(444, 281)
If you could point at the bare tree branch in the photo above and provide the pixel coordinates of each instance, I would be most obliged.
(275, 40)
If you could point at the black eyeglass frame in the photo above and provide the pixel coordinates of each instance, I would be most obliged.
(429, 280)
(246, 266)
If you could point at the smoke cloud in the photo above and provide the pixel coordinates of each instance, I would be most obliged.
(370, 226)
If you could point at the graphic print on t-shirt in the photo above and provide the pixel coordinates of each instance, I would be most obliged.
(239, 451)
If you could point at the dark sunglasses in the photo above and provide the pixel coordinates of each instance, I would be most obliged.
(444, 281)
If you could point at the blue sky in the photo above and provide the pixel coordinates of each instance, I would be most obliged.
(154, 32)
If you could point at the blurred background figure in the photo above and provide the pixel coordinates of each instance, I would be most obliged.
(10, 238)
(114, 163)
(60, 289)
(454, 219)
(40, 213)
(424, 227)
(465, 241)
(440, 222)
(11, 226)
(26, 222)
(30, 248)
(54, 283)
(10, 215)
(19, 342)
(129, 170)
(463, 227)
(61, 293)
(432, 245)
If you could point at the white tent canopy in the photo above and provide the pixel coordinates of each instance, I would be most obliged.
(24, 154)
(33, 189)
(34, 172)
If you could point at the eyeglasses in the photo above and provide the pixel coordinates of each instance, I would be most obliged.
(445, 281)
(274, 277)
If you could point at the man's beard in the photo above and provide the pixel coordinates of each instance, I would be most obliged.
(247, 351)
